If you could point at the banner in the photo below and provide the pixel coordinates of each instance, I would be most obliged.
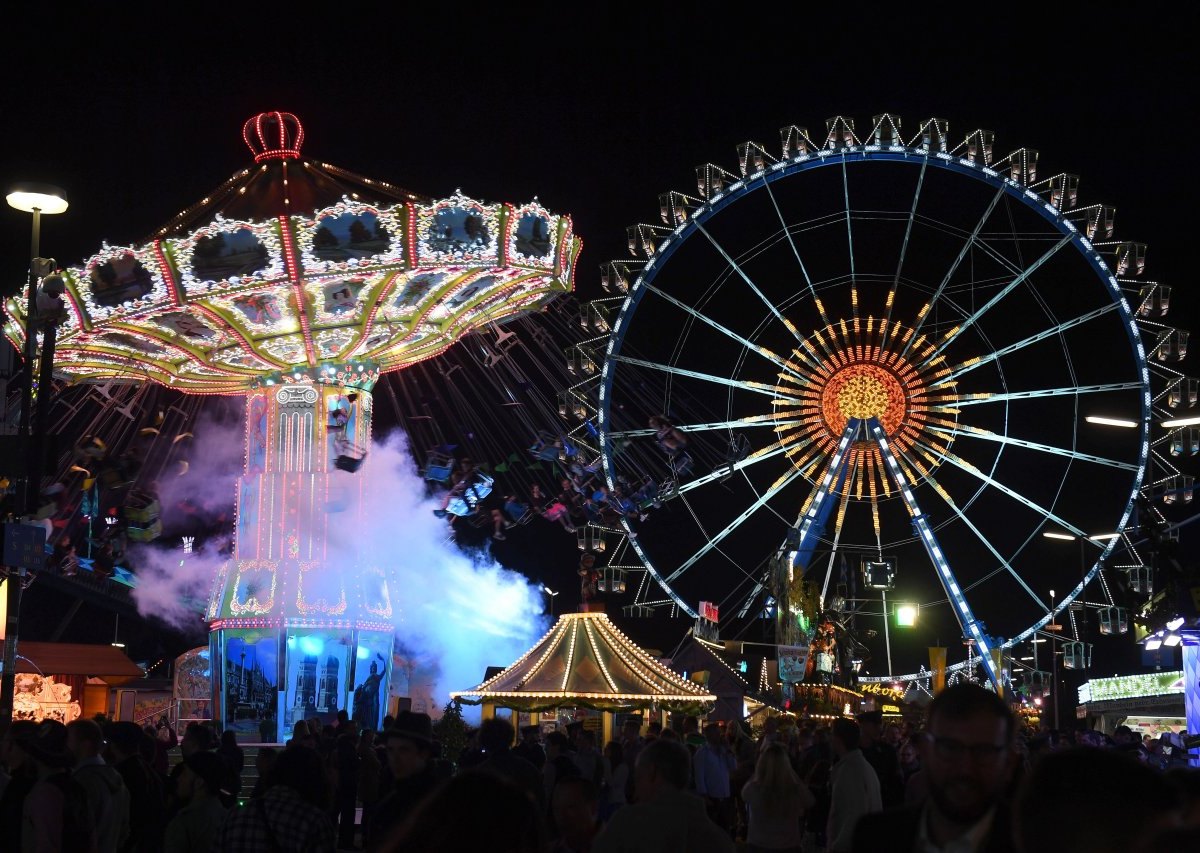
(937, 663)
(793, 661)
(998, 663)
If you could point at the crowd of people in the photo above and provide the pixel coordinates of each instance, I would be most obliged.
(969, 780)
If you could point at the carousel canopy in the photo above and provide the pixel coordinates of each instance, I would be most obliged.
(584, 661)
(297, 269)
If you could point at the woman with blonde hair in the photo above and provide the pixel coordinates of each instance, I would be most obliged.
(776, 800)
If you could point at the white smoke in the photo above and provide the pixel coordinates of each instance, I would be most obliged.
(463, 611)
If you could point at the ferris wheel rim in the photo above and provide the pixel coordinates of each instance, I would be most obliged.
(911, 156)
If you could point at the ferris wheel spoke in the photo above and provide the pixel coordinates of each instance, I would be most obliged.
(762, 455)
(757, 387)
(946, 577)
(772, 357)
(743, 423)
(1070, 390)
(970, 321)
(937, 294)
(787, 324)
(778, 486)
(963, 465)
(988, 435)
(962, 515)
(795, 251)
(850, 242)
(1050, 332)
(912, 215)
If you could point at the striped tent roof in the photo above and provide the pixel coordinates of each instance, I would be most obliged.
(585, 661)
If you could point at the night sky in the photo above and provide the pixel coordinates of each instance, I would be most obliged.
(139, 116)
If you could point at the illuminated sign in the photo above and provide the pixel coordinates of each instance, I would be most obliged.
(1131, 686)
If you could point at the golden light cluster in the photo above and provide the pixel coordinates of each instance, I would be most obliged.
(861, 368)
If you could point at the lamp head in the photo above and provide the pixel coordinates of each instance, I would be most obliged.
(43, 198)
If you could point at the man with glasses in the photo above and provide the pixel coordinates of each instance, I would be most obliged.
(968, 758)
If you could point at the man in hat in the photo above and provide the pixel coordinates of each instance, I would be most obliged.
(108, 800)
(147, 800)
(530, 747)
(55, 816)
(882, 757)
(194, 828)
(409, 745)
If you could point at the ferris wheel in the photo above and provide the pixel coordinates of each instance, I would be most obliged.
(882, 362)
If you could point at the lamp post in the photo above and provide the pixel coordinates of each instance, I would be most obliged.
(550, 594)
(36, 199)
(1054, 661)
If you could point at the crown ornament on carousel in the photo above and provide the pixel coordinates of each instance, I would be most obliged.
(273, 136)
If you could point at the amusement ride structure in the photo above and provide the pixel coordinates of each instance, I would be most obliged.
(296, 284)
(860, 363)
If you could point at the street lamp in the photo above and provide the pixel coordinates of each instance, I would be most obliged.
(551, 594)
(37, 199)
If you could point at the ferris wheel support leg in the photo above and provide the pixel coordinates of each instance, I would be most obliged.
(962, 610)
(822, 501)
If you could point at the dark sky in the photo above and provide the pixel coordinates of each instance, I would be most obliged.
(138, 114)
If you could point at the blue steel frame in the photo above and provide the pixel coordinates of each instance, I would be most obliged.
(893, 154)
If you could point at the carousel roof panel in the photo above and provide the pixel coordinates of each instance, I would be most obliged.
(585, 660)
(293, 265)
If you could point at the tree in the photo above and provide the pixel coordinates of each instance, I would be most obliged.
(451, 730)
(324, 239)
(359, 232)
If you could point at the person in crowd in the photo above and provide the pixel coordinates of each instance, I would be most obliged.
(910, 761)
(854, 786)
(967, 759)
(291, 815)
(496, 736)
(156, 750)
(108, 799)
(712, 766)
(586, 757)
(368, 774)
(616, 771)
(55, 816)
(776, 801)
(510, 819)
(558, 763)
(745, 753)
(194, 827)
(575, 811)
(691, 736)
(301, 736)
(1098, 801)
(147, 796)
(666, 816)
(21, 777)
(344, 766)
(264, 763)
(1186, 782)
(231, 752)
(770, 733)
(654, 729)
(409, 756)
(881, 755)
(530, 747)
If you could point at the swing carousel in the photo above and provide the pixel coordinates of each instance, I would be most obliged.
(295, 284)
